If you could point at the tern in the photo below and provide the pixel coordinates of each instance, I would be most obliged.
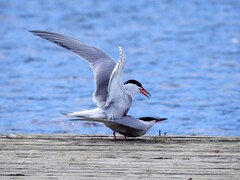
(112, 97)
(127, 125)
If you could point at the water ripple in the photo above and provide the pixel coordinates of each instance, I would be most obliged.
(185, 53)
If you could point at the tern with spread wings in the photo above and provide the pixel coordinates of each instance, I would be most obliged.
(112, 96)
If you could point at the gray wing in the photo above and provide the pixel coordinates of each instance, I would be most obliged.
(125, 121)
(101, 63)
(131, 122)
(115, 86)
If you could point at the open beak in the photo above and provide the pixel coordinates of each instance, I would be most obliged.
(161, 119)
(144, 92)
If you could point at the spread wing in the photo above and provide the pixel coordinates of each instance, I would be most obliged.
(115, 86)
(101, 63)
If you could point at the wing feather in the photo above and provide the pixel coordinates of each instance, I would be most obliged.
(101, 63)
(115, 86)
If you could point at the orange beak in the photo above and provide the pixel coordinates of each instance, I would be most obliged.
(145, 92)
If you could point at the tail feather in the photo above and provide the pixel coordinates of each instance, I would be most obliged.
(90, 120)
(72, 106)
(96, 113)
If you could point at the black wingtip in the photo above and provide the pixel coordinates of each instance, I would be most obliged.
(65, 113)
(33, 31)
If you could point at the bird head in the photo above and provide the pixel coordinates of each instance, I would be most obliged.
(134, 87)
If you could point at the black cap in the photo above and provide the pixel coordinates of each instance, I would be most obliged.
(132, 81)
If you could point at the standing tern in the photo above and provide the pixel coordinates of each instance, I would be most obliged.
(127, 125)
(112, 96)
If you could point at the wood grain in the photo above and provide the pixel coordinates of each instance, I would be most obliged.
(102, 157)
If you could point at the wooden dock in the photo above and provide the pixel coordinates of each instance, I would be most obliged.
(102, 157)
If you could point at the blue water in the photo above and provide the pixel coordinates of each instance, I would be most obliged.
(185, 53)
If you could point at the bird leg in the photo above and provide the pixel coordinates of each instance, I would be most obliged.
(114, 135)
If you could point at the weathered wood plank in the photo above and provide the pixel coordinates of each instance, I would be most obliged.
(101, 157)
